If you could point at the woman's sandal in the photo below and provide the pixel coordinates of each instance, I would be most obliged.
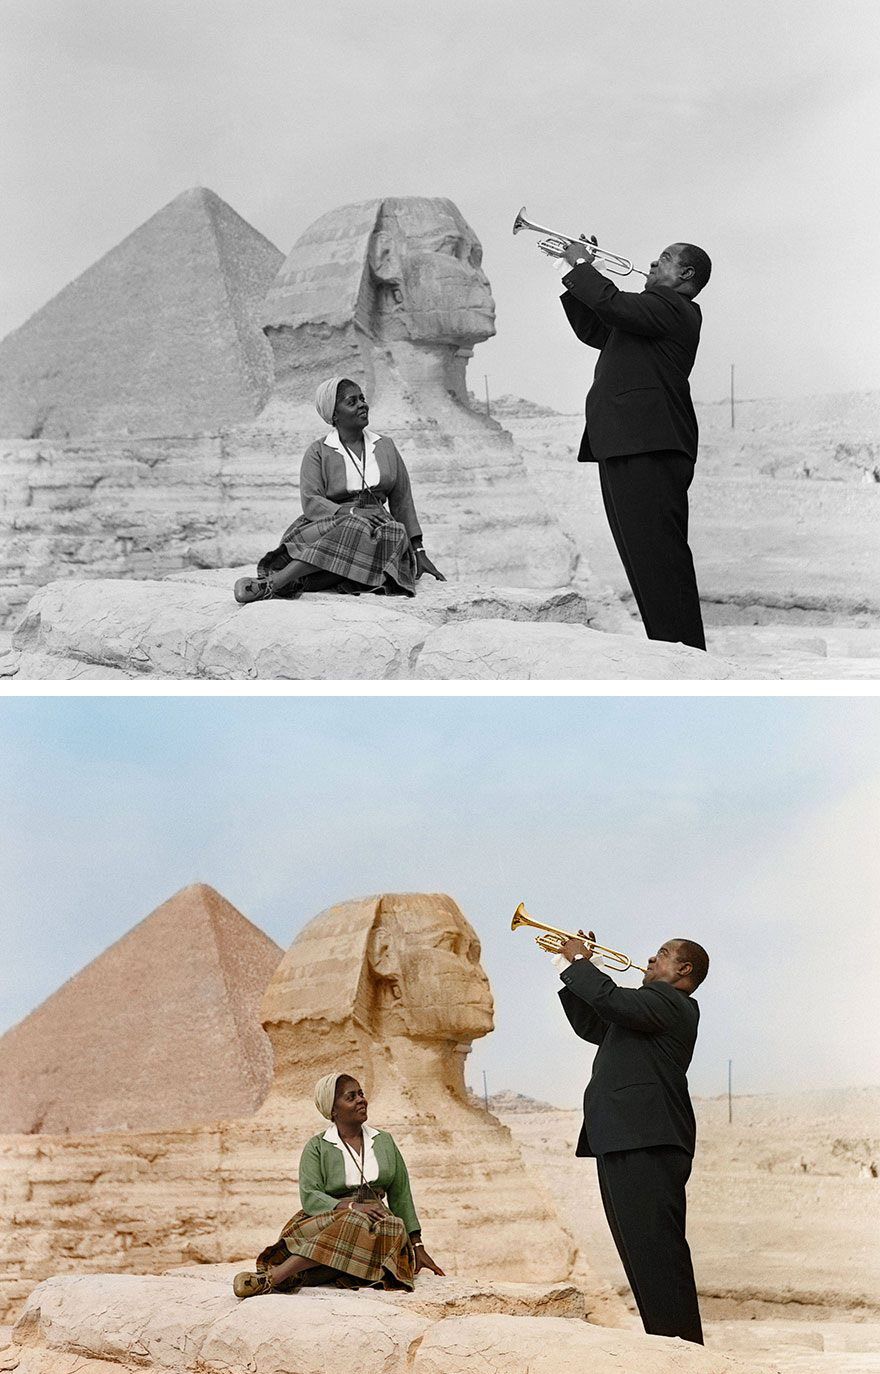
(252, 589)
(249, 1285)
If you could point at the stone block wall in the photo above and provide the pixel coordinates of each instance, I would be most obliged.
(148, 507)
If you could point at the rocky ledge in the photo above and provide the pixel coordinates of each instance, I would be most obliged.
(188, 1321)
(188, 626)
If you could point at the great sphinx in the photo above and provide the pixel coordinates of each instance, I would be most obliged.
(390, 985)
(392, 292)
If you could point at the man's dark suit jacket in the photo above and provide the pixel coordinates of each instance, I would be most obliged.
(640, 400)
(638, 1093)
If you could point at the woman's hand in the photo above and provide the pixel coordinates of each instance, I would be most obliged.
(374, 517)
(424, 565)
(424, 1261)
(374, 1210)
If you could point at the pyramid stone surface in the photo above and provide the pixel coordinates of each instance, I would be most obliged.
(158, 337)
(161, 1030)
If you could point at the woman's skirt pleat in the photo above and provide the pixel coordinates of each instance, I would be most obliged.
(356, 1249)
(349, 547)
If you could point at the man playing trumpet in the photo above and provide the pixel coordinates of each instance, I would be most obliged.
(640, 423)
(638, 1119)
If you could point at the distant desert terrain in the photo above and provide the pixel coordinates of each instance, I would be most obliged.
(785, 507)
(783, 1220)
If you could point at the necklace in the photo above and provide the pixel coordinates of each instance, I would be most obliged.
(360, 464)
(350, 1148)
(364, 1191)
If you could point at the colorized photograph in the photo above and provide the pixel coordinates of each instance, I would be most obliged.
(544, 1027)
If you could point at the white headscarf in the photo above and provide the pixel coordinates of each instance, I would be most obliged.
(325, 398)
(325, 1093)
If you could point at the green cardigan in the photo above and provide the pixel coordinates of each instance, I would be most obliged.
(322, 1178)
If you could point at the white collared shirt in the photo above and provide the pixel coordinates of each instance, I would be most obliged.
(369, 1163)
(372, 475)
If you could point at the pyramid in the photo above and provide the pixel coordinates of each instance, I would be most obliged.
(162, 1030)
(159, 337)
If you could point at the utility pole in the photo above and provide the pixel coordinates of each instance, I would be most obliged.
(485, 1091)
(729, 1096)
(732, 419)
(486, 381)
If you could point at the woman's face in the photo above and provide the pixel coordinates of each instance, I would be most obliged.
(352, 411)
(349, 1104)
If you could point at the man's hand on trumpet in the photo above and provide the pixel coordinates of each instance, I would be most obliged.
(581, 250)
(577, 949)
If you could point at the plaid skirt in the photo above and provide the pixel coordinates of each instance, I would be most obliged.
(349, 1249)
(347, 547)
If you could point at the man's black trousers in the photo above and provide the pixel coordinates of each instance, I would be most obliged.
(643, 1193)
(646, 502)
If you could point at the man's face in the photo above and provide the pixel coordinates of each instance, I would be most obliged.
(666, 270)
(665, 966)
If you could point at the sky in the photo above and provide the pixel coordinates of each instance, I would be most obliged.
(747, 824)
(750, 128)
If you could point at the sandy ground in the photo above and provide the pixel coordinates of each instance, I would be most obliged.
(783, 1222)
(795, 546)
(772, 549)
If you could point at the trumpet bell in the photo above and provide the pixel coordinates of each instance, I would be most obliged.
(521, 223)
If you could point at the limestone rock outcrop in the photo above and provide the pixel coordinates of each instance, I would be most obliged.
(158, 337)
(179, 1324)
(388, 987)
(495, 650)
(160, 1031)
(190, 627)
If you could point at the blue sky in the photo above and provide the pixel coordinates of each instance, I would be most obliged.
(750, 128)
(747, 823)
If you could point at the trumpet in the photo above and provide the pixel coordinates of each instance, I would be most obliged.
(552, 940)
(554, 245)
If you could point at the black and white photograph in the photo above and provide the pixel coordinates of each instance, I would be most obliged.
(321, 305)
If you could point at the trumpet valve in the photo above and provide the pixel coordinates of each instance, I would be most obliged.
(554, 246)
(551, 943)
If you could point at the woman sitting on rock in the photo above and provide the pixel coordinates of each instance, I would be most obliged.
(345, 1234)
(346, 536)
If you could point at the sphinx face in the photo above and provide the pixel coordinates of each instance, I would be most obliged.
(427, 261)
(428, 956)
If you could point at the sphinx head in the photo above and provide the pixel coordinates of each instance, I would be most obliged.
(402, 966)
(425, 263)
(405, 269)
(426, 979)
